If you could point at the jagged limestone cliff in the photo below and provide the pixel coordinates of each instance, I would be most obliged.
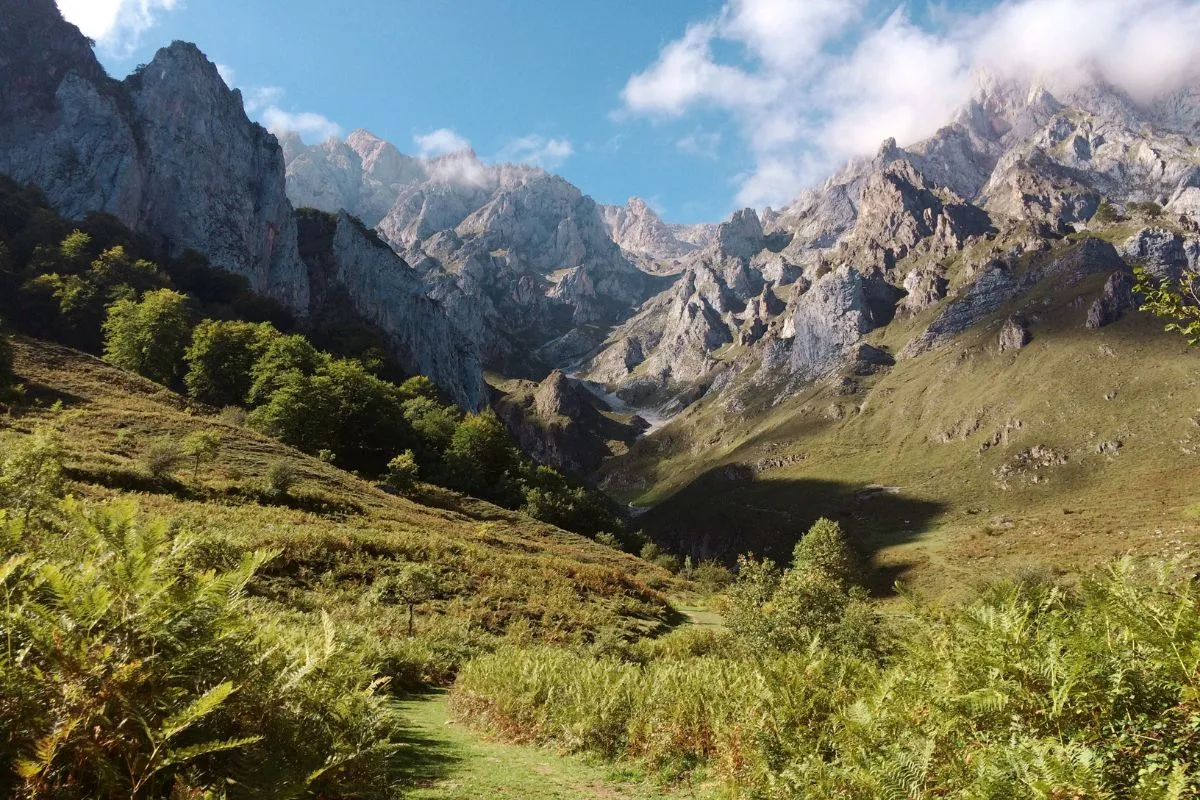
(169, 150)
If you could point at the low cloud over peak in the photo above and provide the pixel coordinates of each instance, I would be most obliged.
(817, 82)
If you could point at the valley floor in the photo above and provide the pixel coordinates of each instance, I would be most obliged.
(451, 762)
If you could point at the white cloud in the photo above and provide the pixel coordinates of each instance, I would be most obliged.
(816, 82)
(228, 74)
(460, 167)
(265, 104)
(309, 125)
(701, 144)
(116, 25)
(440, 142)
(538, 151)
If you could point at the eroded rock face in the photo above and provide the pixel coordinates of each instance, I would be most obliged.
(1163, 253)
(900, 209)
(637, 229)
(557, 423)
(212, 180)
(169, 151)
(828, 320)
(1116, 297)
(518, 256)
(346, 256)
(1014, 335)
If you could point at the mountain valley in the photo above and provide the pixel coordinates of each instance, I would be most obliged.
(888, 491)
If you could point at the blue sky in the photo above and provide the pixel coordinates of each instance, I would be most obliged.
(699, 106)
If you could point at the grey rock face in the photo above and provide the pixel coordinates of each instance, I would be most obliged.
(639, 231)
(169, 151)
(1163, 253)
(1015, 334)
(1116, 297)
(389, 293)
(223, 192)
(996, 284)
(827, 321)
(926, 286)
(900, 209)
(62, 125)
(741, 237)
(516, 255)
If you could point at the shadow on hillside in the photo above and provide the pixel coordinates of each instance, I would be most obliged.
(38, 395)
(422, 759)
(730, 510)
(312, 500)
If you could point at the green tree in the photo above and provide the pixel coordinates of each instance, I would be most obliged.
(300, 412)
(1106, 213)
(369, 423)
(116, 269)
(149, 336)
(433, 424)
(815, 599)
(402, 472)
(281, 356)
(221, 360)
(824, 552)
(481, 458)
(414, 584)
(161, 458)
(1176, 302)
(200, 447)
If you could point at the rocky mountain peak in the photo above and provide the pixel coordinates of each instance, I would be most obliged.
(741, 236)
(169, 151)
(638, 230)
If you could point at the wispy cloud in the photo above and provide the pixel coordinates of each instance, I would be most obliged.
(537, 150)
(440, 142)
(265, 104)
(702, 144)
(814, 83)
(116, 25)
(228, 74)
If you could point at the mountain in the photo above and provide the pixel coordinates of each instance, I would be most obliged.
(170, 152)
(940, 331)
(639, 231)
(518, 256)
(95, 144)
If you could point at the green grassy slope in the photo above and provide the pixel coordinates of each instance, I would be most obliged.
(908, 459)
(337, 534)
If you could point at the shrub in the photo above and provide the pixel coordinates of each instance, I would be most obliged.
(200, 447)
(8, 376)
(161, 459)
(1106, 213)
(31, 475)
(813, 600)
(280, 478)
(1030, 691)
(233, 416)
(712, 576)
(402, 472)
(655, 555)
